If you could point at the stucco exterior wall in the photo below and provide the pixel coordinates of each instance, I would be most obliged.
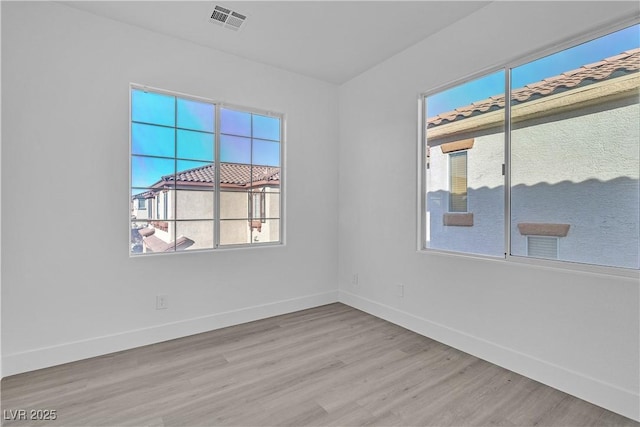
(581, 169)
(578, 168)
(195, 208)
(485, 199)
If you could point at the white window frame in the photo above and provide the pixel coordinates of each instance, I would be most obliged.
(422, 226)
(218, 105)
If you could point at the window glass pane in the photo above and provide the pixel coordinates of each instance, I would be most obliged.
(195, 115)
(152, 140)
(136, 236)
(458, 182)
(575, 150)
(542, 247)
(192, 174)
(173, 175)
(195, 145)
(266, 127)
(194, 235)
(464, 154)
(266, 176)
(266, 231)
(272, 204)
(233, 232)
(235, 122)
(266, 153)
(153, 236)
(194, 204)
(234, 204)
(235, 149)
(147, 171)
(150, 107)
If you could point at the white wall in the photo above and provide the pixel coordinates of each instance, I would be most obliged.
(69, 288)
(575, 331)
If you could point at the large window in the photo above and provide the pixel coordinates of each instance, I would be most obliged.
(464, 157)
(568, 187)
(197, 165)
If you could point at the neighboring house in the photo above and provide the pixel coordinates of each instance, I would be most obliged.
(179, 209)
(574, 169)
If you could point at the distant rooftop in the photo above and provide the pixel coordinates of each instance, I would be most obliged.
(232, 175)
(627, 62)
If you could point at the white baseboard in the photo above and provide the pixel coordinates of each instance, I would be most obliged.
(608, 396)
(73, 351)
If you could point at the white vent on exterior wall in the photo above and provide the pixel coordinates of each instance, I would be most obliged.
(227, 18)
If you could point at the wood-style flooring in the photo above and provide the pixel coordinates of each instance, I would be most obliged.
(326, 366)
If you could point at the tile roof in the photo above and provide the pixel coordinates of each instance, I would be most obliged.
(230, 173)
(624, 63)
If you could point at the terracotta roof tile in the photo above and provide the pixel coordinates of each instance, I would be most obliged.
(627, 62)
(230, 173)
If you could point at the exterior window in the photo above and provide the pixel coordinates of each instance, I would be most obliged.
(464, 199)
(196, 162)
(142, 204)
(574, 150)
(458, 182)
(573, 163)
(257, 206)
(542, 247)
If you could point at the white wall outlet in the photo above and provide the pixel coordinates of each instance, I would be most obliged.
(162, 302)
(354, 279)
(400, 289)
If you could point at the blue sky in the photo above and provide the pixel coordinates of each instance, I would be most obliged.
(552, 65)
(170, 135)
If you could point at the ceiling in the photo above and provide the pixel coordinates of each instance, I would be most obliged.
(332, 41)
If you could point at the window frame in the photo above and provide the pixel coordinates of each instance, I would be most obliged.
(422, 160)
(218, 106)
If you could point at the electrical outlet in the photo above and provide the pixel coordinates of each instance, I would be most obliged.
(354, 279)
(400, 289)
(162, 302)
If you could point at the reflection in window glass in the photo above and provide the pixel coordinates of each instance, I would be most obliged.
(574, 151)
(464, 153)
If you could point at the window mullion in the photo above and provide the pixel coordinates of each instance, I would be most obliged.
(216, 173)
(507, 162)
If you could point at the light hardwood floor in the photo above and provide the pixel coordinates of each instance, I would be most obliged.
(331, 365)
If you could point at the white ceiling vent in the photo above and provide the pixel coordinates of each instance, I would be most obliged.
(227, 18)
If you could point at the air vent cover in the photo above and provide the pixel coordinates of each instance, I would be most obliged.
(227, 18)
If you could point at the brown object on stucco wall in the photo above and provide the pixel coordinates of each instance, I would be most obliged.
(542, 229)
(450, 147)
(458, 219)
